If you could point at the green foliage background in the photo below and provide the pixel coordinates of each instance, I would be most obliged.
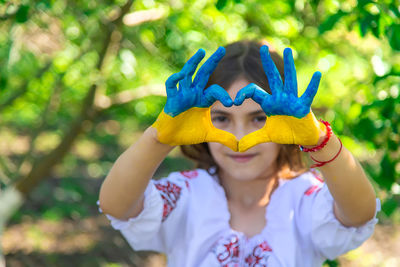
(50, 51)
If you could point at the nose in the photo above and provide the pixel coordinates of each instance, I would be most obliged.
(241, 129)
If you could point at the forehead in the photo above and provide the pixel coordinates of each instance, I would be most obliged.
(247, 106)
(236, 86)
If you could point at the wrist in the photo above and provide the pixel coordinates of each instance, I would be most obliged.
(152, 134)
(324, 134)
(321, 138)
(330, 152)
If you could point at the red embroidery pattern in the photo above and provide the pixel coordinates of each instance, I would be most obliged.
(227, 251)
(190, 174)
(187, 184)
(170, 194)
(317, 175)
(311, 190)
(259, 256)
(314, 188)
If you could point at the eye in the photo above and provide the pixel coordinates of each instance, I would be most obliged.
(220, 119)
(260, 119)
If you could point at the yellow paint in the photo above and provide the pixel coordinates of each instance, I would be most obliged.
(194, 126)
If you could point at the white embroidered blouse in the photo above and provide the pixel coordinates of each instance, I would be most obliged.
(186, 217)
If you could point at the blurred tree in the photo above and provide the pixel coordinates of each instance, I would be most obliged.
(72, 67)
(377, 121)
(40, 168)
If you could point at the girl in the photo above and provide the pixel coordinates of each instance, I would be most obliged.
(251, 202)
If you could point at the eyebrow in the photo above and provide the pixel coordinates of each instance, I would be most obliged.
(227, 113)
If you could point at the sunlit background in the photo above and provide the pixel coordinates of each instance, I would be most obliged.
(81, 80)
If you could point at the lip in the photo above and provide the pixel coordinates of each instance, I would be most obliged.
(242, 158)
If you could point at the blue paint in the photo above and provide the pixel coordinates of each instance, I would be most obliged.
(283, 99)
(191, 93)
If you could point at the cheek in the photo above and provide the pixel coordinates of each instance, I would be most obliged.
(271, 150)
(216, 150)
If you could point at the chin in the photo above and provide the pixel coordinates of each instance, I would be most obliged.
(242, 174)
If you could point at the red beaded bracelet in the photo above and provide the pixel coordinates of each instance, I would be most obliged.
(327, 137)
(322, 163)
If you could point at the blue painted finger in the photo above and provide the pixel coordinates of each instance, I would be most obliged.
(250, 91)
(171, 82)
(190, 67)
(290, 73)
(244, 93)
(202, 76)
(312, 88)
(274, 78)
(191, 64)
(216, 92)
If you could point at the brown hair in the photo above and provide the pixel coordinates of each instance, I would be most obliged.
(242, 60)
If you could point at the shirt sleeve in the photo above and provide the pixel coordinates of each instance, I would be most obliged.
(329, 237)
(161, 224)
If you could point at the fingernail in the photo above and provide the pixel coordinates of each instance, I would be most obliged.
(221, 51)
(264, 49)
(201, 51)
(288, 50)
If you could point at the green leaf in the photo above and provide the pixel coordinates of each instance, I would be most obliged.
(221, 4)
(314, 4)
(393, 34)
(22, 14)
(45, 4)
(392, 145)
(388, 108)
(362, 3)
(331, 263)
(365, 128)
(389, 206)
(3, 83)
(394, 9)
(375, 25)
(387, 173)
(365, 24)
(383, 77)
(330, 22)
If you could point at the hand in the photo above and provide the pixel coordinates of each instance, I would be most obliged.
(290, 119)
(186, 116)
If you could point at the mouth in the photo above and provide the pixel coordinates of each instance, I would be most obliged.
(242, 158)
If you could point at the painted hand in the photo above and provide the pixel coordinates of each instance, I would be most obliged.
(289, 118)
(186, 116)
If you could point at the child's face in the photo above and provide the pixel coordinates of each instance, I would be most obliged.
(257, 162)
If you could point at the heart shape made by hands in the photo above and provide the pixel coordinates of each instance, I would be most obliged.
(195, 126)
